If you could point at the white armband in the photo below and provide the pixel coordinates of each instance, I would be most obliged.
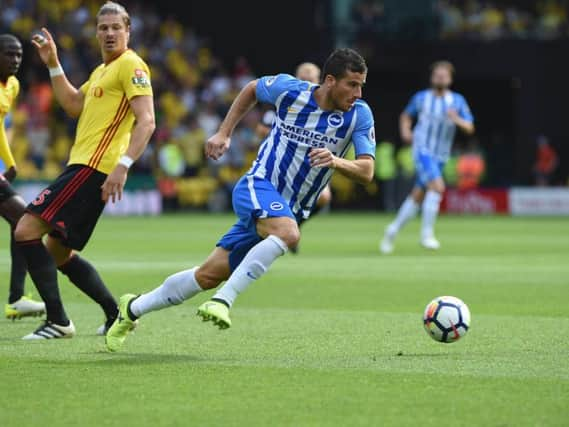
(126, 161)
(56, 71)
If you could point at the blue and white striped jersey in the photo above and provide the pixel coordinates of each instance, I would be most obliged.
(434, 132)
(300, 125)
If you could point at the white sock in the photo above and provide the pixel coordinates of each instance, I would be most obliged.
(430, 211)
(407, 211)
(175, 290)
(254, 265)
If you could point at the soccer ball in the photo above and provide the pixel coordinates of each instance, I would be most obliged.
(446, 319)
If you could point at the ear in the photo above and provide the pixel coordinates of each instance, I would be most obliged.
(329, 80)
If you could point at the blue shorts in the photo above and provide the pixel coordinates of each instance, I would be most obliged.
(427, 169)
(253, 198)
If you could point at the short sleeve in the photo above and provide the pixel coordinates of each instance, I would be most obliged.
(269, 88)
(135, 77)
(412, 107)
(16, 88)
(363, 137)
(464, 111)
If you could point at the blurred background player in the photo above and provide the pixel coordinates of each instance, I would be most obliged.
(116, 116)
(438, 111)
(12, 206)
(314, 128)
(308, 72)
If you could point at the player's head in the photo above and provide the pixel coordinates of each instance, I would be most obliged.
(113, 28)
(442, 73)
(10, 55)
(309, 72)
(344, 74)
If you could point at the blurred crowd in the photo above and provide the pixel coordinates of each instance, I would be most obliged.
(461, 19)
(192, 89)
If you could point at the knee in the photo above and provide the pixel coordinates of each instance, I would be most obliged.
(208, 278)
(438, 186)
(289, 235)
(325, 198)
(25, 230)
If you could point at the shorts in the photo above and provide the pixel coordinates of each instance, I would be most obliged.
(71, 205)
(427, 168)
(6, 189)
(253, 198)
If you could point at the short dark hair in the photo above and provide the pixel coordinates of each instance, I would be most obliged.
(113, 8)
(443, 64)
(342, 60)
(7, 39)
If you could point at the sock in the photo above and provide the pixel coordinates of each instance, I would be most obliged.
(83, 275)
(18, 273)
(254, 265)
(43, 271)
(430, 212)
(407, 211)
(175, 290)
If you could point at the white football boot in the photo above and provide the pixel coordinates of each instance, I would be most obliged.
(49, 330)
(430, 243)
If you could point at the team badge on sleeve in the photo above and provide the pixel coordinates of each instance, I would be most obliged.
(371, 134)
(140, 79)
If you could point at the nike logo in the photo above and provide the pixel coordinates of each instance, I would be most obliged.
(250, 275)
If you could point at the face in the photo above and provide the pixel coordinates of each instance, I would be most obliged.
(112, 34)
(345, 91)
(10, 58)
(441, 78)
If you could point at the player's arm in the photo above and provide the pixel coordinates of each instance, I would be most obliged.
(462, 117)
(143, 110)
(406, 127)
(464, 125)
(218, 144)
(6, 155)
(69, 97)
(360, 170)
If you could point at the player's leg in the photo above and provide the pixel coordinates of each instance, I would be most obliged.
(174, 290)
(433, 197)
(278, 235)
(12, 208)
(84, 276)
(322, 203)
(407, 211)
(41, 266)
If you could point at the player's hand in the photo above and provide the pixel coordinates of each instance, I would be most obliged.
(10, 174)
(46, 48)
(322, 158)
(453, 115)
(114, 184)
(217, 145)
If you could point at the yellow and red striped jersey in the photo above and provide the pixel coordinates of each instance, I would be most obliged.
(105, 124)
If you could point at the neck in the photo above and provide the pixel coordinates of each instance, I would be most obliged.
(322, 97)
(439, 92)
(108, 57)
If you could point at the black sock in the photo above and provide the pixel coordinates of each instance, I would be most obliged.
(18, 273)
(85, 277)
(43, 271)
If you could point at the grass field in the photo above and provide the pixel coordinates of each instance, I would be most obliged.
(330, 337)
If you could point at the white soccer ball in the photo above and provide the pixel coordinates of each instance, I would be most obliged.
(446, 319)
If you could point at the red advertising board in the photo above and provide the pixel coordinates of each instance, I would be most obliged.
(478, 201)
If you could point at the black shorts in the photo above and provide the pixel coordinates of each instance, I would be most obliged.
(6, 189)
(72, 205)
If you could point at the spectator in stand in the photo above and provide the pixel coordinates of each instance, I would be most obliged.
(546, 162)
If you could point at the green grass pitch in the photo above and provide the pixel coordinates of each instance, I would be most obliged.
(331, 337)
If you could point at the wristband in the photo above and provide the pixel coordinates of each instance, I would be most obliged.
(126, 161)
(56, 71)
